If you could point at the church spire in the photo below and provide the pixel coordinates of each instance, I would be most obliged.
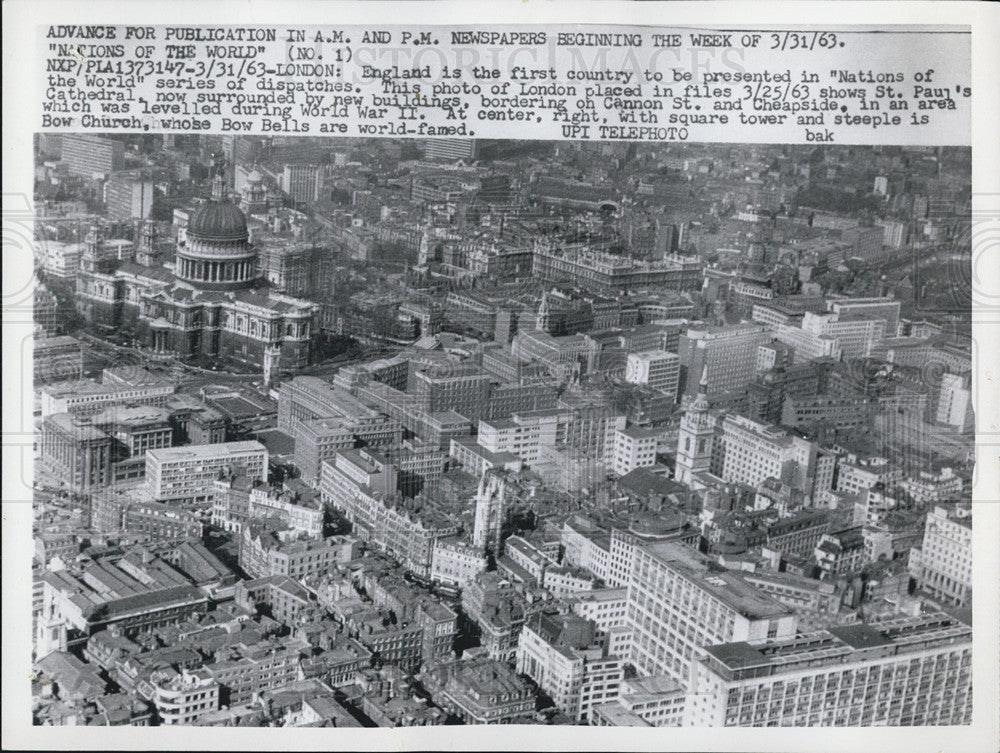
(700, 402)
(218, 177)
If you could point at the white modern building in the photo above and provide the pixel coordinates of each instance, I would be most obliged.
(942, 566)
(680, 601)
(635, 447)
(909, 671)
(658, 369)
(187, 474)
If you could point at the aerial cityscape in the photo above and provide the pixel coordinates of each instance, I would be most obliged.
(339, 432)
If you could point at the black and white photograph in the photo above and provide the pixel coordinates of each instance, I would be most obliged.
(386, 433)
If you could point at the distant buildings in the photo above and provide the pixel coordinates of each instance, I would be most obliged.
(128, 196)
(451, 150)
(88, 156)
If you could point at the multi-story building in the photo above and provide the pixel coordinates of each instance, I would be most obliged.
(840, 553)
(263, 553)
(86, 396)
(283, 597)
(679, 601)
(886, 308)
(658, 369)
(826, 411)
(480, 691)
(305, 398)
(609, 274)
(605, 607)
(451, 150)
(58, 259)
(728, 354)
(752, 452)
(857, 337)
(857, 475)
(455, 562)
(494, 607)
(807, 346)
(586, 545)
(624, 543)
(635, 447)
(391, 642)
(58, 358)
(524, 434)
(78, 453)
(942, 565)
(299, 509)
(655, 701)
(158, 521)
(243, 671)
(458, 389)
(440, 626)
(187, 474)
(362, 485)
(908, 671)
(866, 242)
(182, 697)
(954, 405)
(128, 196)
(929, 487)
(560, 653)
(302, 183)
(87, 155)
(231, 501)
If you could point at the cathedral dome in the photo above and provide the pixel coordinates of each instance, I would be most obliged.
(218, 220)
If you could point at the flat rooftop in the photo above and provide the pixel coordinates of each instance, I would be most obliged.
(836, 646)
(193, 452)
(724, 585)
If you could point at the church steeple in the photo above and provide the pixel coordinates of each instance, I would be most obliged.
(542, 317)
(700, 403)
(696, 437)
(218, 178)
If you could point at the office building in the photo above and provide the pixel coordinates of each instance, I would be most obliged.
(680, 601)
(729, 355)
(857, 337)
(181, 698)
(560, 653)
(76, 452)
(128, 196)
(302, 183)
(87, 155)
(635, 447)
(942, 565)
(187, 474)
(908, 671)
(451, 150)
(654, 368)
